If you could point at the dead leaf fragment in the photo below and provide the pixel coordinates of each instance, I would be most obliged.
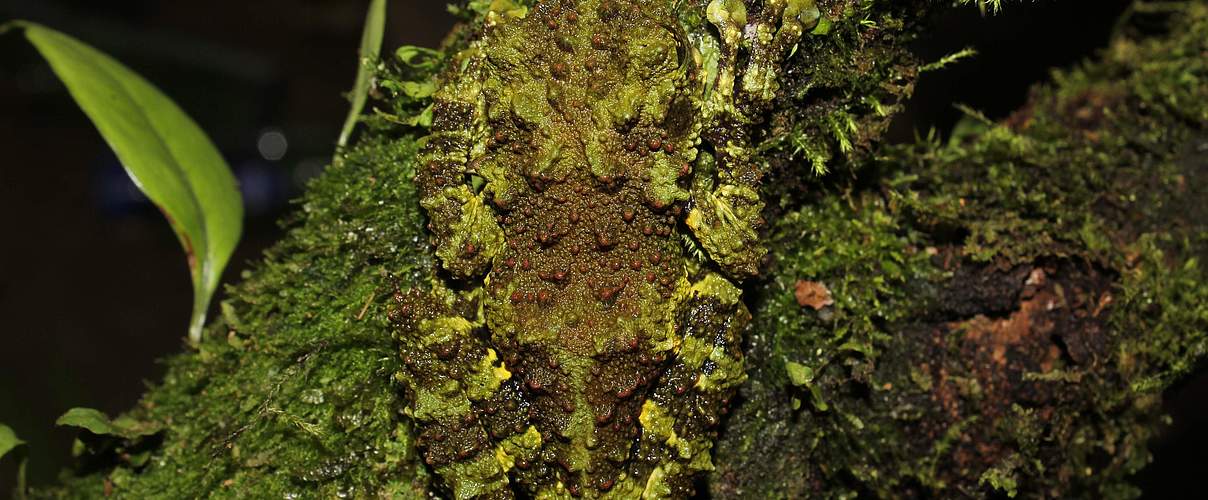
(812, 294)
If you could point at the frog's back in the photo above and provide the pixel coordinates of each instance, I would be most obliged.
(582, 298)
(559, 168)
(583, 163)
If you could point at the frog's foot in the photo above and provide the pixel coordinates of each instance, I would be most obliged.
(466, 234)
(680, 418)
(448, 368)
(726, 221)
(768, 39)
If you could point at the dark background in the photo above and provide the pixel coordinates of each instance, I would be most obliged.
(93, 284)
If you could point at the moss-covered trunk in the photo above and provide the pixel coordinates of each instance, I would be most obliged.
(999, 312)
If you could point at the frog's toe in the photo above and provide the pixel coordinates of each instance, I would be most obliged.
(726, 223)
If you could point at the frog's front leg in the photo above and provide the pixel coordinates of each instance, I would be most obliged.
(725, 209)
(463, 226)
(450, 370)
(680, 417)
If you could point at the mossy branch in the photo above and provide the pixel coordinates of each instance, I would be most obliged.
(1007, 305)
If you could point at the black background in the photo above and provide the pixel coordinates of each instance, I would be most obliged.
(93, 284)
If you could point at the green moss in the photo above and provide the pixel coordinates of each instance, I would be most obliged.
(291, 392)
(1008, 306)
(869, 261)
(839, 88)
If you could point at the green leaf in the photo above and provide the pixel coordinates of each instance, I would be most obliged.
(371, 46)
(9, 442)
(799, 374)
(421, 58)
(163, 150)
(419, 90)
(100, 424)
(87, 418)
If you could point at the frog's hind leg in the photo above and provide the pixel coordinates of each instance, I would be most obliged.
(449, 369)
(680, 418)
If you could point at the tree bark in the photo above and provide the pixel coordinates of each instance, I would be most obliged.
(994, 314)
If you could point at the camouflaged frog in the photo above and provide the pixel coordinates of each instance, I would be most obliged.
(575, 347)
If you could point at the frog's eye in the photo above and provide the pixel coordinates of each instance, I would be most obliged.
(681, 114)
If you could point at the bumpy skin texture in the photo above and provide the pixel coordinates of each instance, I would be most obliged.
(577, 148)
